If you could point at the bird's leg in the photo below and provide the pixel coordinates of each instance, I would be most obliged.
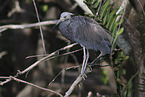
(85, 60)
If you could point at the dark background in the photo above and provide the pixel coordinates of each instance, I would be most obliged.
(20, 43)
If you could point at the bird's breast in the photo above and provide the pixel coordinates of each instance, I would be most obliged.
(66, 30)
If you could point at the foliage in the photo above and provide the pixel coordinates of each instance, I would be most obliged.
(45, 8)
(104, 77)
(124, 87)
(111, 20)
(106, 16)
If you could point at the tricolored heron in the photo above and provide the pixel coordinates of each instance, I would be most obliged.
(85, 31)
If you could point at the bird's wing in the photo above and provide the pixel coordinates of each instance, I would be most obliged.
(90, 34)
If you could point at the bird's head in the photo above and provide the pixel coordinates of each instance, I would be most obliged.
(64, 16)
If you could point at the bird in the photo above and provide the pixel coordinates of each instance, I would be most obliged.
(86, 32)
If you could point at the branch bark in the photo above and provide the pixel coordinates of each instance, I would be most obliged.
(13, 26)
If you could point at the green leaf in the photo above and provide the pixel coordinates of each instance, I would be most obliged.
(114, 29)
(111, 17)
(107, 16)
(112, 23)
(120, 31)
(104, 8)
(96, 4)
(45, 8)
(104, 77)
(126, 58)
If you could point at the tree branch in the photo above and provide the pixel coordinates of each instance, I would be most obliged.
(50, 56)
(22, 81)
(77, 81)
(13, 26)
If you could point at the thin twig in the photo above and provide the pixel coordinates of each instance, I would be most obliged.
(28, 83)
(3, 53)
(16, 8)
(63, 71)
(3, 77)
(43, 59)
(8, 80)
(43, 43)
(13, 26)
(55, 78)
(76, 82)
(39, 61)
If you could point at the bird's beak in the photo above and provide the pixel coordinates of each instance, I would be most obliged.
(59, 21)
(72, 14)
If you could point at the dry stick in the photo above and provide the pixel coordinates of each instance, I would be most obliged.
(64, 68)
(65, 54)
(9, 79)
(58, 55)
(4, 77)
(22, 81)
(39, 61)
(36, 63)
(63, 71)
(76, 82)
(13, 26)
(16, 8)
(41, 33)
(29, 68)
